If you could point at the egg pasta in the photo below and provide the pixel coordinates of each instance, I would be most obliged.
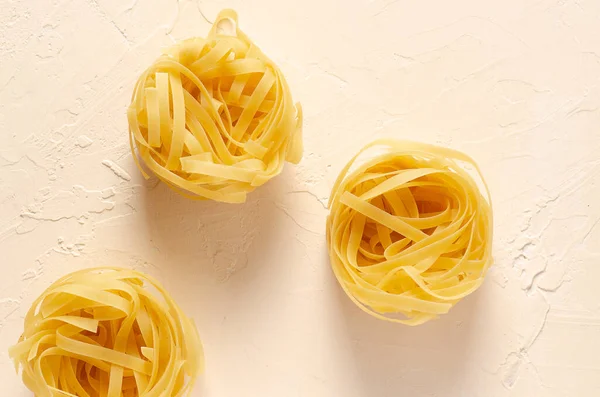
(213, 117)
(409, 231)
(107, 332)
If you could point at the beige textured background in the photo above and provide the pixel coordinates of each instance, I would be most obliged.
(514, 83)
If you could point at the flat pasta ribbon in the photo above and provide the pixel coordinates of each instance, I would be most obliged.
(409, 231)
(214, 117)
(100, 333)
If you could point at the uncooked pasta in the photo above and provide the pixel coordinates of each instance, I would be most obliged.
(213, 117)
(409, 231)
(107, 332)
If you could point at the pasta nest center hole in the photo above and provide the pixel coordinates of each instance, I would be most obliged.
(409, 231)
(213, 117)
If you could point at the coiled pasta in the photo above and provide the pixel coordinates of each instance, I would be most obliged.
(100, 332)
(409, 231)
(214, 117)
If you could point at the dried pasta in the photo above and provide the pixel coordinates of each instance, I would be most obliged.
(213, 117)
(100, 332)
(409, 231)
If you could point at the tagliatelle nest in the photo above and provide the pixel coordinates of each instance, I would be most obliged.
(409, 231)
(100, 332)
(214, 117)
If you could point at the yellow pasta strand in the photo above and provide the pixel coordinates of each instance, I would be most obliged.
(409, 231)
(214, 117)
(100, 332)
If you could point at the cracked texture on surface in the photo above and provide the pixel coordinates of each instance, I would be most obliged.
(515, 84)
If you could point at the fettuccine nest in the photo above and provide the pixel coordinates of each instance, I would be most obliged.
(101, 332)
(214, 117)
(409, 232)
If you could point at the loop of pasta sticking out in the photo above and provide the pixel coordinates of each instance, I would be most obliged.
(409, 231)
(214, 117)
(100, 332)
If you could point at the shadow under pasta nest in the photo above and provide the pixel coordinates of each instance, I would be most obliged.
(395, 359)
(212, 240)
(213, 256)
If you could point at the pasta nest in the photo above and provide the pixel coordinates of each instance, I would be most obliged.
(214, 117)
(409, 231)
(100, 332)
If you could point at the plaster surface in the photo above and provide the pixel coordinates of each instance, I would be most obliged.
(513, 83)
